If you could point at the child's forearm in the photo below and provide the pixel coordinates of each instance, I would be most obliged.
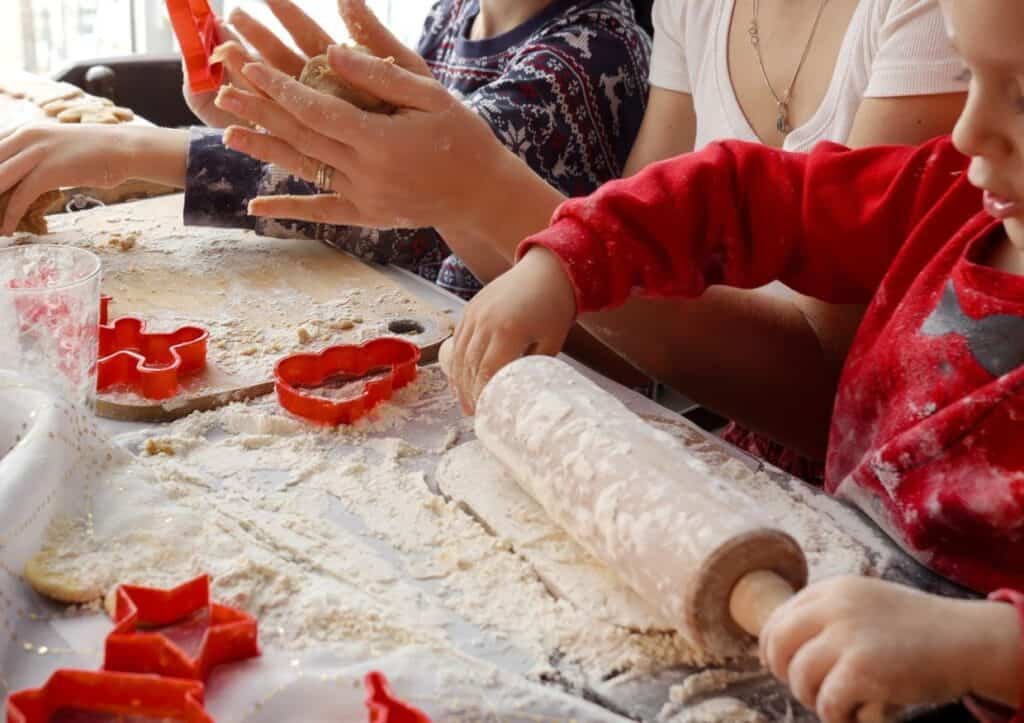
(154, 154)
(999, 667)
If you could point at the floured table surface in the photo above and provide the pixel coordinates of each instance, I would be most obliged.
(260, 298)
(337, 541)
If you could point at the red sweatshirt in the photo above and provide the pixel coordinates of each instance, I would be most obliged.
(928, 427)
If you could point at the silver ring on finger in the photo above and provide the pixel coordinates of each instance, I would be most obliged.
(324, 176)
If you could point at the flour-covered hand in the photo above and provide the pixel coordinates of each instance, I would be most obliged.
(851, 641)
(308, 36)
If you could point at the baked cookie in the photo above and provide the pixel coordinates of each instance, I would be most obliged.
(318, 75)
(34, 220)
(95, 113)
(55, 107)
(48, 92)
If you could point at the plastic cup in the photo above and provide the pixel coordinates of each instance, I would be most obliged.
(49, 319)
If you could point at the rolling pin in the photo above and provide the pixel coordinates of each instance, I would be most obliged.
(687, 541)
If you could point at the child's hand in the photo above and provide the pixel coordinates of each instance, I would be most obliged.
(528, 310)
(41, 158)
(852, 641)
(44, 157)
(308, 36)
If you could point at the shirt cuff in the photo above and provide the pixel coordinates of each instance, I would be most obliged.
(219, 182)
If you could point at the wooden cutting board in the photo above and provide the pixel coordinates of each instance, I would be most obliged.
(260, 298)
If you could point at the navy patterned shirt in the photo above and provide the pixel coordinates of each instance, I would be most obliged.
(566, 91)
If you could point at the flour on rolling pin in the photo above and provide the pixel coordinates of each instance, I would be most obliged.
(633, 497)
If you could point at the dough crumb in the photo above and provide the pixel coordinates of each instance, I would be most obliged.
(123, 242)
(155, 446)
(306, 335)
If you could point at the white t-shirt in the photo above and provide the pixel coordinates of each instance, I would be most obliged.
(891, 48)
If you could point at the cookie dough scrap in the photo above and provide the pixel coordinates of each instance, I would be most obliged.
(34, 220)
(319, 76)
(55, 575)
(56, 107)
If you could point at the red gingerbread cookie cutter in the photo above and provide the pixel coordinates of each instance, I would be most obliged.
(231, 635)
(297, 375)
(150, 364)
(112, 693)
(196, 29)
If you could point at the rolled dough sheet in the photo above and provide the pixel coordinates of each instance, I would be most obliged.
(474, 477)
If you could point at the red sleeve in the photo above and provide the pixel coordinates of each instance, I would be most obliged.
(827, 223)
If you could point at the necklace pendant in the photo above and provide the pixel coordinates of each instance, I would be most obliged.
(782, 124)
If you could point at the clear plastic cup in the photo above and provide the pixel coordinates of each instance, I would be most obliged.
(49, 319)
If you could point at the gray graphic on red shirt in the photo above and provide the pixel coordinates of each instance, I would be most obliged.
(996, 341)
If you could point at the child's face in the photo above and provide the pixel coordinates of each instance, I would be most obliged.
(989, 34)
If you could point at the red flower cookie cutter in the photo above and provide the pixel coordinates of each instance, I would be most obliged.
(297, 375)
(111, 693)
(231, 635)
(385, 707)
(196, 29)
(150, 364)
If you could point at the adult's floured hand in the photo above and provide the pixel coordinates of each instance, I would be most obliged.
(427, 164)
(307, 34)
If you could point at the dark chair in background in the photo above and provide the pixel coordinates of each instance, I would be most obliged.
(149, 85)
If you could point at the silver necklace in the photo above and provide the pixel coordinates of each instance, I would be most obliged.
(782, 102)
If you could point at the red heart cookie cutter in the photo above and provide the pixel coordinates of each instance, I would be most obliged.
(230, 635)
(298, 375)
(385, 707)
(111, 693)
(149, 364)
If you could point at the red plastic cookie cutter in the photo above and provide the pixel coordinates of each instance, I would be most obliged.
(150, 364)
(196, 29)
(384, 707)
(297, 375)
(111, 693)
(231, 635)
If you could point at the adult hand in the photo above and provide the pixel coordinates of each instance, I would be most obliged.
(422, 166)
(854, 641)
(528, 310)
(431, 163)
(311, 39)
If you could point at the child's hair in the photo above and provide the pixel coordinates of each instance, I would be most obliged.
(642, 10)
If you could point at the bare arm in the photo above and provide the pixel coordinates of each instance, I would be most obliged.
(905, 121)
(669, 129)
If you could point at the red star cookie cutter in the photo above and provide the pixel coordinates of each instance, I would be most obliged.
(196, 29)
(150, 364)
(120, 694)
(231, 635)
(384, 707)
(297, 376)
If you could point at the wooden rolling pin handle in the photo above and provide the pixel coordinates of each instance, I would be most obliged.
(753, 600)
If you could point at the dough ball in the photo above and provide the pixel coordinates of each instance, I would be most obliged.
(318, 75)
(34, 220)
